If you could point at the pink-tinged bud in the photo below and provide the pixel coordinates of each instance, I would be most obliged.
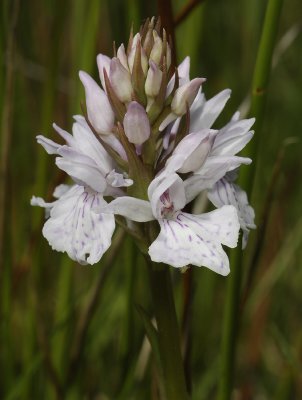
(100, 113)
(103, 63)
(153, 81)
(121, 55)
(157, 48)
(131, 57)
(136, 123)
(185, 95)
(120, 79)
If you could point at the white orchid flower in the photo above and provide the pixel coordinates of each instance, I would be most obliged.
(75, 224)
(184, 238)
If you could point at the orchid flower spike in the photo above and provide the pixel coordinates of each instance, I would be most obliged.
(146, 147)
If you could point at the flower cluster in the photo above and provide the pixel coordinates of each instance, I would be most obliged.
(143, 151)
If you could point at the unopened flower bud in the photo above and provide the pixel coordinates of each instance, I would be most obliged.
(103, 63)
(121, 55)
(153, 81)
(157, 48)
(120, 79)
(136, 123)
(131, 57)
(185, 95)
(100, 113)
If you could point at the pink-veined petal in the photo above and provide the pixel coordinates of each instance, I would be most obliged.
(76, 227)
(220, 225)
(178, 245)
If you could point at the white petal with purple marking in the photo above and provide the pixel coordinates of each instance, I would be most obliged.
(226, 192)
(76, 227)
(166, 193)
(183, 241)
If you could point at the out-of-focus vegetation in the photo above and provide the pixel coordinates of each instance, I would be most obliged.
(73, 332)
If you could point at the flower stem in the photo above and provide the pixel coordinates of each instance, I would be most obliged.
(246, 180)
(168, 333)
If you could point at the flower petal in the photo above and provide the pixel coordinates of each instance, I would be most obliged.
(212, 170)
(204, 116)
(49, 145)
(103, 62)
(130, 207)
(183, 75)
(87, 144)
(76, 226)
(226, 192)
(162, 183)
(64, 134)
(115, 179)
(233, 137)
(192, 151)
(81, 168)
(178, 245)
(99, 110)
(220, 225)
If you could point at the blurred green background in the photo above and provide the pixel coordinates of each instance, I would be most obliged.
(73, 332)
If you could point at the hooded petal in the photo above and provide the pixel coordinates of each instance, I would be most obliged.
(166, 189)
(185, 95)
(76, 226)
(192, 151)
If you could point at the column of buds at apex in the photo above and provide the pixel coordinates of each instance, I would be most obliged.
(145, 148)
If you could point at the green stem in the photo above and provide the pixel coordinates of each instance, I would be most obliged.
(230, 325)
(246, 180)
(168, 333)
(260, 86)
